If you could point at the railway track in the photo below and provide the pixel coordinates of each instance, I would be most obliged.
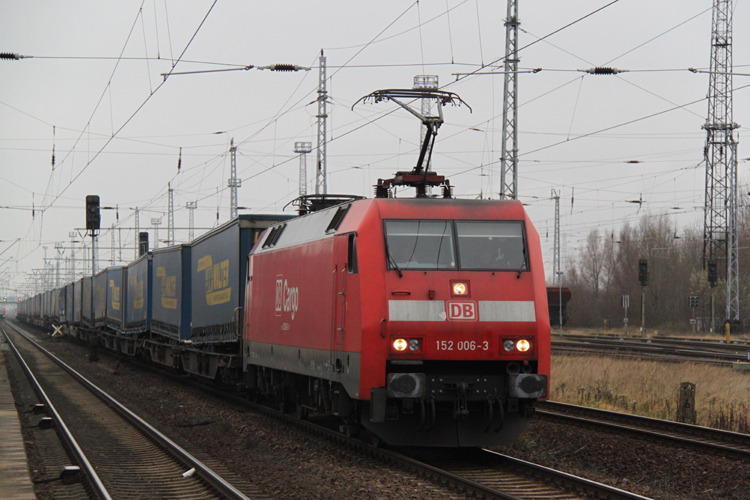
(656, 348)
(478, 473)
(120, 455)
(695, 436)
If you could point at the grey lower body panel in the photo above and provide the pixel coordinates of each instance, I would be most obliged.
(338, 366)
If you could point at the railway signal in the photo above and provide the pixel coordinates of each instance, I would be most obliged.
(643, 272)
(693, 301)
(93, 217)
(643, 278)
(712, 273)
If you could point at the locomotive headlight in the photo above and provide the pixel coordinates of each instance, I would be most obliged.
(523, 345)
(400, 344)
(414, 344)
(460, 288)
(508, 345)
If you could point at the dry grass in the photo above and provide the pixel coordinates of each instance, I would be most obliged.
(651, 388)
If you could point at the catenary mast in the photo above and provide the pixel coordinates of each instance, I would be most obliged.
(509, 155)
(720, 224)
(321, 186)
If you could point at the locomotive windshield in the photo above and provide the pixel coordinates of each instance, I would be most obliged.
(479, 245)
(420, 244)
(491, 245)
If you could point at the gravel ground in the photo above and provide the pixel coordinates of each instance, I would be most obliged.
(645, 466)
(285, 463)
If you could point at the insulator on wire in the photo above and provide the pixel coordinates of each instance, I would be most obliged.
(10, 55)
(179, 162)
(603, 70)
(284, 67)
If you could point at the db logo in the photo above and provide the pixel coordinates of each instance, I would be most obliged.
(462, 311)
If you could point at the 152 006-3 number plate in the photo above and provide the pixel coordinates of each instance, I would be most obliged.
(462, 345)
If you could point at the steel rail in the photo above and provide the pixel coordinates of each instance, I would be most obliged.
(209, 476)
(94, 481)
(641, 422)
(598, 490)
(622, 349)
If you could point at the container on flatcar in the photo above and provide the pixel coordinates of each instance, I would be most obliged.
(99, 299)
(138, 295)
(61, 304)
(69, 302)
(219, 267)
(115, 297)
(87, 301)
(36, 307)
(77, 301)
(170, 315)
(46, 304)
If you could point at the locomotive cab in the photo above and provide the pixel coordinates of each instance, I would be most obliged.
(466, 329)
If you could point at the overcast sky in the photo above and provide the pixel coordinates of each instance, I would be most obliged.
(93, 90)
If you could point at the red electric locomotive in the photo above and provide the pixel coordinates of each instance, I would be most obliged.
(425, 321)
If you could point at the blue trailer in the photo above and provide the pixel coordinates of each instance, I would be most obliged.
(218, 269)
(138, 296)
(171, 292)
(115, 298)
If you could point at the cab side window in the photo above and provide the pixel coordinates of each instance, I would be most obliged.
(352, 265)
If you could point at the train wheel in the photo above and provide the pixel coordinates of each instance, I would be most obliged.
(301, 412)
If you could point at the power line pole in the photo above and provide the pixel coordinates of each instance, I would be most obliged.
(321, 186)
(170, 216)
(302, 148)
(233, 182)
(556, 264)
(60, 251)
(509, 155)
(72, 235)
(137, 232)
(720, 237)
(191, 206)
(112, 234)
(156, 223)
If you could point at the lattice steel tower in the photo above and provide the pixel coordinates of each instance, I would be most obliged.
(321, 184)
(556, 262)
(720, 223)
(170, 216)
(509, 158)
(233, 183)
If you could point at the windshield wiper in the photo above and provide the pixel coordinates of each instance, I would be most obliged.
(523, 264)
(393, 261)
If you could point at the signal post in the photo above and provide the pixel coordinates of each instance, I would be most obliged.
(643, 278)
